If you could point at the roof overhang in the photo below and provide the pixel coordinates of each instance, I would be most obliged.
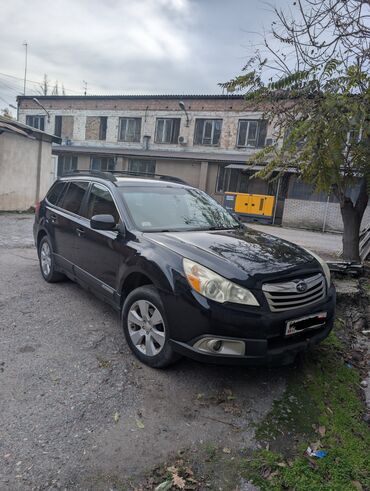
(218, 157)
(256, 167)
(13, 126)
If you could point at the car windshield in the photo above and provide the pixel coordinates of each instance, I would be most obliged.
(171, 209)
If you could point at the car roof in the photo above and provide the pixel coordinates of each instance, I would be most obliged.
(120, 181)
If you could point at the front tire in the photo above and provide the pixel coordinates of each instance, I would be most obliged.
(146, 328)
(47, 263)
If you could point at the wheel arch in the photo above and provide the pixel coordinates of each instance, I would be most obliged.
(40, 235)
(144, 276)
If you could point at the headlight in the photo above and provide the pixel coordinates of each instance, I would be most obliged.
(324, 266)
(214, 286)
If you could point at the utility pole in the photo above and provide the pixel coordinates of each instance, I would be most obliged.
(25, 44)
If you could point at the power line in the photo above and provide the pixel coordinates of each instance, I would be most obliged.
(37, 83)
(6, 102)
(15, 90)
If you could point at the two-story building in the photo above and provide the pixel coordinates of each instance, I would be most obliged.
(206, 140)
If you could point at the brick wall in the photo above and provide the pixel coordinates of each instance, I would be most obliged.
(85, 114)
(92, 128)
(150, 104)
(311, 215)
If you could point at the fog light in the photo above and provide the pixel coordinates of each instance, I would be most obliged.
(215, 344)
(223, 346)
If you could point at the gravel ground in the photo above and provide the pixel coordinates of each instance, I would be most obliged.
(76, 405)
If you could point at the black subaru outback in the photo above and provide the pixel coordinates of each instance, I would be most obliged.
(186, 276)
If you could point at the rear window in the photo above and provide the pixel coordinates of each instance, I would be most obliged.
(55, 192)
(74, 196)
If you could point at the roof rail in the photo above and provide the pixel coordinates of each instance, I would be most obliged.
(113, 174)
(160, 177)
(95, 173)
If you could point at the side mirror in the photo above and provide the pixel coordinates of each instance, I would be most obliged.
(103, 222)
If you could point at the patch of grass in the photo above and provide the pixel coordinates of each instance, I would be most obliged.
(325, 395)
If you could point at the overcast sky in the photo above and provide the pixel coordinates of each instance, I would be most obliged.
(127, 46)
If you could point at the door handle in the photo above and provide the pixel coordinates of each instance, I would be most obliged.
(80, 231)
(53, 218)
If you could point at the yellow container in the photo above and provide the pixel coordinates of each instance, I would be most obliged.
(254, 204)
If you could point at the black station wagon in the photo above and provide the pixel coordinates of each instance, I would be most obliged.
(186, 276)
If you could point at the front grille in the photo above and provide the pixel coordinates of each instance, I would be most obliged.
(286, 296)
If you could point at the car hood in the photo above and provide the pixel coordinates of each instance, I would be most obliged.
(240, 255)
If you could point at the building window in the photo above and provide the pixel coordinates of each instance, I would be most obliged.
(96, 128)
(64, 127)
(36, 122)
(221, 185)
(129, 129)
(167, 130)
(141, 166)
(252, 133)
(104, 164)
(66, 163)
(207, 131)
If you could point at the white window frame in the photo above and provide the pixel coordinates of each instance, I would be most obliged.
(161, 138)
(213, 124)
(126, 137)
(248, 121)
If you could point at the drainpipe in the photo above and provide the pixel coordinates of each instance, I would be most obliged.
(38, 171)
(326, 213)
(276, 200)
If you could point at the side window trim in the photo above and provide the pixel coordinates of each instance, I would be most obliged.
(83, 207)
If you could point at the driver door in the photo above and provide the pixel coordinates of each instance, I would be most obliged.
(99, 252)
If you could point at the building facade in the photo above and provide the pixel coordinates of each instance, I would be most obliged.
(205, 140)
(26, 170)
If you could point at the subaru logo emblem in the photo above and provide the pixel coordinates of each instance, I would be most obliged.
(301, 286)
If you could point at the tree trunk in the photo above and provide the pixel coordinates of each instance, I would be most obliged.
(352, 217)
(351, 231)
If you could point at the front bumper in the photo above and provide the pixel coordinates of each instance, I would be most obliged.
(262, 331)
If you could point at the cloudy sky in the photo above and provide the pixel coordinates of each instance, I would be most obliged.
(127, 46)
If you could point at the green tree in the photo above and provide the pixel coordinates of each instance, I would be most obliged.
(311, 77)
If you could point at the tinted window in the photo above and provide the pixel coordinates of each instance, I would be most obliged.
(55, 192)
(101, 203)
(172, 209)
(74, 196)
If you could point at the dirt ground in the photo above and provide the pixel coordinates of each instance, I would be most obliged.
(76, 405)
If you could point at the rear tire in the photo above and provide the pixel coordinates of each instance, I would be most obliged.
(146, 328)
(47, 263)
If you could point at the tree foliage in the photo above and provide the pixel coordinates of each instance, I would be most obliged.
(311, 77)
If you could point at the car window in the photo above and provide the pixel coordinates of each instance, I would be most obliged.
(175, 208)
(74, 196)
(56, 192)
(100, 202)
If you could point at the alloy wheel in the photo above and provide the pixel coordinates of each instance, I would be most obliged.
(146, 327)
(45, 257)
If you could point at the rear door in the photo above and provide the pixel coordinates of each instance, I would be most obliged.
(99, 253)
(63, 220)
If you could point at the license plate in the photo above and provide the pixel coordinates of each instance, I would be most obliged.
(314, 321)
